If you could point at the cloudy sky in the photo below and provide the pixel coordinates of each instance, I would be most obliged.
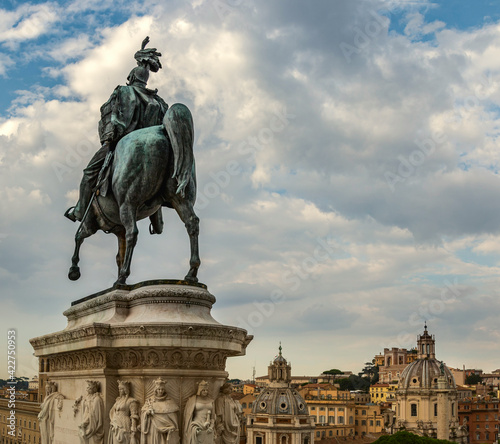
(347, 162)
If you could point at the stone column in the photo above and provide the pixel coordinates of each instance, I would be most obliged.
(136, 333)
(443, 417)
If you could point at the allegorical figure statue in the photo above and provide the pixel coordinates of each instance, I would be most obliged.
(228, 413)
(123, 417)
(46, 417)
(159, 418)
(199, 424)
(129, 108)
(91, 429)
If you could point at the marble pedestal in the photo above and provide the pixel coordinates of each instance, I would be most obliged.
(138, 334)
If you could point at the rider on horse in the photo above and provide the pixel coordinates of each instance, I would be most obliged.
(129, 108)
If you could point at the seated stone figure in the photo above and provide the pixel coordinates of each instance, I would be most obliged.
(129, 108)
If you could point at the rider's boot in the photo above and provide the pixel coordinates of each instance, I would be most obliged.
(76, 213)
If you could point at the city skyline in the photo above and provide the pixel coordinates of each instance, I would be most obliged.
(347, 163)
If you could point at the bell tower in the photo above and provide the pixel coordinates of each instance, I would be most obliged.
(279, 371)
(426, 345)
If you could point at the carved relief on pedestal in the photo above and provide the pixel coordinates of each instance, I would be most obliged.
(128, 358)
(46, 417)
(199, 417)
(91, 430)
(159, 417)
(124, 417)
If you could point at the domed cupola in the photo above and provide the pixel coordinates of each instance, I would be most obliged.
(279, 398)
(279, 413)
(426, 372)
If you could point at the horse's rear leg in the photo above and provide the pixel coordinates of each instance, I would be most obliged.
(85, 230)
(188, 216)
(122, 244)
(128, 219)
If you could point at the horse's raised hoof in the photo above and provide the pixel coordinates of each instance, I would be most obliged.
(74, 273)
(193, 279)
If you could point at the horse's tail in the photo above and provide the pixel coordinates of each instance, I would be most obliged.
(178, 123)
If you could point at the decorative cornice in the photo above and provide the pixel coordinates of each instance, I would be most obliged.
(129, 331)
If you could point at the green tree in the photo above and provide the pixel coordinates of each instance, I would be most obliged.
(409, 438)
(473, 379)
(333, 371)
(370, 372)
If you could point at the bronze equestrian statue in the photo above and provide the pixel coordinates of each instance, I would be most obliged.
(145, 162)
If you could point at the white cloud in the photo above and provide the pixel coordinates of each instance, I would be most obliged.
(318, 179)
(28, 22)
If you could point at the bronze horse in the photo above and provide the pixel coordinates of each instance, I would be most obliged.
(151, 167)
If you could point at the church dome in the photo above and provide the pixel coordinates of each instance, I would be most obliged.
(424, 374)
(280, 401)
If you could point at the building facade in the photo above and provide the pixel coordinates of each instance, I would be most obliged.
(481, 417)
(27, 427)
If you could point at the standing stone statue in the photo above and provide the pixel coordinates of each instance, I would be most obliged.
(91, 429)
(46, 417)
(159, 418)
(199, 421)
(124, 417)
(228, 413)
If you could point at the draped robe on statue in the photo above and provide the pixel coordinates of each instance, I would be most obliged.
(160, 427)
(120, 415)
(198, 421)
(46, 417)
(228, 413)
(91, 429)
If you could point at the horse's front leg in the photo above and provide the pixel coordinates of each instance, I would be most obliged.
(128, 219)
(85, 230)
(192, 222)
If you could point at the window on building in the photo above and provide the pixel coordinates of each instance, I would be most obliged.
(486, 418)
(487, 426)
(341, 420)
(478, 436)
(321, 409)
(318, 434)
(377, 423)
(250, 404)
(363, 422)
(371, 422)
(331, 409)
(487, 436)
(351, 420)
(477, 426)
(413, 409)
(331, 419)
(363, 412)
(313, 408)
(258, 440)
(244, 405)
(477, 417)
(356, 422)
(322, 419)
(435, 409)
